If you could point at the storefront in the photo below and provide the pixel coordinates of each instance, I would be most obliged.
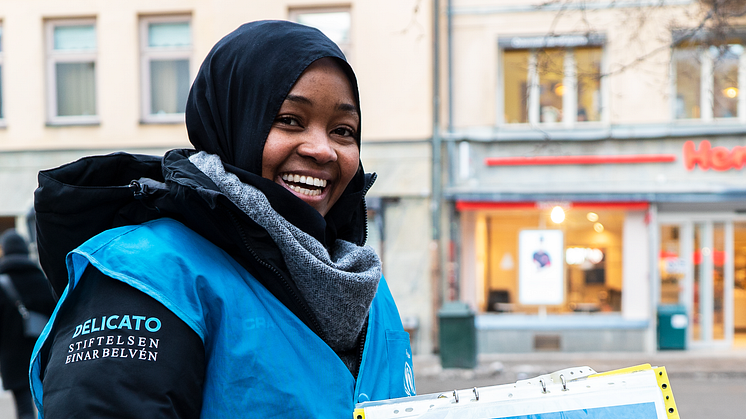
(574, 245)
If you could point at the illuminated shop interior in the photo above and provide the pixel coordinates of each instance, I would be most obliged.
(592, 258)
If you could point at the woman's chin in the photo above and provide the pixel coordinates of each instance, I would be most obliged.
(318, 202)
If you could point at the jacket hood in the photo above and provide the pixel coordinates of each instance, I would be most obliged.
(13, 243)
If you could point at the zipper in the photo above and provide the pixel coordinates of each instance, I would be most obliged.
(296, 298)
(364, 332)
(373, 178)
(361, 344)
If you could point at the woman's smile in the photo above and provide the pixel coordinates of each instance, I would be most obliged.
(305, 185)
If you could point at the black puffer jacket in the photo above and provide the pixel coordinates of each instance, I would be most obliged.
(81, 199)
(15, 348)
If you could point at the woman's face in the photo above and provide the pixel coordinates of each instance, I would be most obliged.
(311, 148)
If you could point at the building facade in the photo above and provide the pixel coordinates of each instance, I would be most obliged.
(81, 78)
(565, 168)
(597, 174)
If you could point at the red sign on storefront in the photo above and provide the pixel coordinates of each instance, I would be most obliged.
(716, 158)
(705, 156)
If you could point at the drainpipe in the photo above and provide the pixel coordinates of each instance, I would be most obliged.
(437, 138)
(437, 192)
(454, 235)
(450, 145)
(436, 281)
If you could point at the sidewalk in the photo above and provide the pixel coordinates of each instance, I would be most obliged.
(507, 368)
(706, 384)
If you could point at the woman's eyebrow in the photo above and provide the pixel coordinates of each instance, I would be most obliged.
(345, 107)
(299, 99)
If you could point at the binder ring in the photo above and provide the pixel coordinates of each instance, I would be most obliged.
(543, 386)
(455, 395)
(564, 382)
(476, 394)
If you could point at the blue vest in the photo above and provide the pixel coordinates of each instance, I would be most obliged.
(262, 361)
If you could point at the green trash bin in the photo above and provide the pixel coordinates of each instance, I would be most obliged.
(458, 336)
(672, 326)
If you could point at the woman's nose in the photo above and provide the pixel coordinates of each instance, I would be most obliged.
(317, 145)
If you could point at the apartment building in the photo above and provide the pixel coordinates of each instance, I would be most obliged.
(84, 77)
(591, 167)
(597, 173)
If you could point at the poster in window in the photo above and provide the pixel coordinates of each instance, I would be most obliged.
(540, 267)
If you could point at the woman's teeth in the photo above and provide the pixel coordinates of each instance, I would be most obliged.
(308, 180)
(304, 191)
(317, 184)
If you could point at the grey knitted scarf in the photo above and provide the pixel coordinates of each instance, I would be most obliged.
(339, 284)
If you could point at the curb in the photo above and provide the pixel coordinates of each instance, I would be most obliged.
(690, 364)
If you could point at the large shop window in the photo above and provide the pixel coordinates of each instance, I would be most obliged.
(705, 81)
(584, 251)
(71, 71)
(166, 50)
(559, 85)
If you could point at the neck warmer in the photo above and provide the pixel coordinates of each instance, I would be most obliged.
(339, 284)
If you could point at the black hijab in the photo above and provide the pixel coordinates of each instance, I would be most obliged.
(235, 98)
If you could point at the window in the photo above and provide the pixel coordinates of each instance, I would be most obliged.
(166, 50)
(558, 85)
(333, 22)
(706, 82)
(687, 69)
(71, 72)
(588, 84)
(2, 102)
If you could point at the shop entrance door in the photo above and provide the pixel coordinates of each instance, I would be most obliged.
(696, 269)
(739, 283)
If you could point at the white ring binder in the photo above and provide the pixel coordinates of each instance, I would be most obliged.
(642, 392)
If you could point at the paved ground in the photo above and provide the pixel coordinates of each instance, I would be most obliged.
(507, 368)
(706, 384)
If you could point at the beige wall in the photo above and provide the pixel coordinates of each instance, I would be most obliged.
(391, 55)
(637, 95)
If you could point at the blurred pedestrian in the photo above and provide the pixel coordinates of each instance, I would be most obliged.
(15, 347)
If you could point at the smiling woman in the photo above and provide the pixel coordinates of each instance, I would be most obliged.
(249, 251)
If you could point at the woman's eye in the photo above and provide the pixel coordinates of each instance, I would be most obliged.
(287, 120)
(343, 131)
